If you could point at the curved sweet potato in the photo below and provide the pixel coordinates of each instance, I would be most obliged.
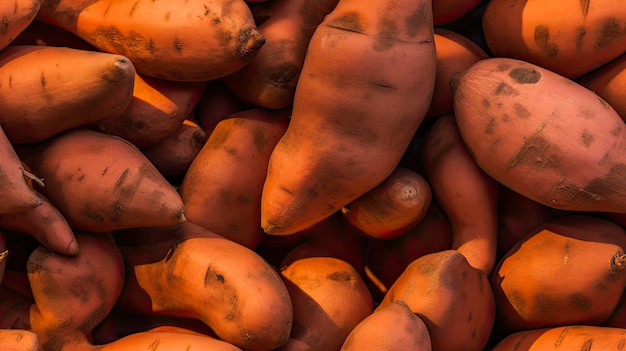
(352, 118)
(564, 337)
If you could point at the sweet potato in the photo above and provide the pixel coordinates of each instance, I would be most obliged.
(452, 297)
(158, 108)
(173, 155)
(194, 273)
(269, 80)
(43, 91)
(466, 194)
(100, 182)
(392, 207)
(569, 270)
(352, 118)
(15, 17)
(18, 340)
(171, 339)
(44, 223)
(198, 41)
(609, 82)
(72, 294)
(455, 53)
(564, 337)
(387, 259)
(392, 328)
(329, 299)
(570, 38)
(16, 194)
(563, 150)
(222, 187)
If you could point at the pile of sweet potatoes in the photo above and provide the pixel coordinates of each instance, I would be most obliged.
(328, 175)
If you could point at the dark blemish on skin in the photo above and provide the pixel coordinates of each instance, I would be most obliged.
(418, 19)
(525, 75)
(206, 10)
(486, 103)
(427, 269)
(517, 300)
(230, 150)
(36, 260)
(610, 183)
(585, 113)
(505, 89)
(617, 130)
(579, 38)
(542, 39)
(387, 35)
(584, 6)
(620, 344)
(120, 180)
(178, 46)
(610, 32)
(117, 211)
(520, 111)
(342, 276)
(132, 9)
(580, 301)
(167, 16)
(154, 345)
(283, 76)
(4, 25)
(587, 345)
(350, 21)
(503, 66)
(260, 139)
(587, 138)
(105, 170)
(286, 190)
(234, 304)
(42, 79)
(534, 153)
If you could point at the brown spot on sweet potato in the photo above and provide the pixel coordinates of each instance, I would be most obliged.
(542, 40)
(503, 66)
(610, 184)
(517, 301)
(587, 138)
(587, 345)
(178, 46)
(490, 125)
(536, 152)
(580, 301)
(4, 25)
(584, 6)
(283, 76)
(422, 16)
(349, 21)
(486, 103)
(525, 75)
(505, 89)
(579, 38)
(342, 276)
(133, 8)
(387, 35)
(621, 344)
(520, 111)
(610, 32)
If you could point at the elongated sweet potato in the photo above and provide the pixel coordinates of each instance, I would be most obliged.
(564, 337)
(44, 223)
(195, 41)
(72, 294)
(392, 207)
(171, 339)
(329, 299)
(542, 135)
(269, 80)
(192, 272)
(352, 118)
(16, 16)
(43, 91)
(222, 187)
(569, 270)
(16, 194)
(392, 328)
(466, 194)
(101, 182)
(582, 37)
(609, 82)
(158, 108)
(451, 296)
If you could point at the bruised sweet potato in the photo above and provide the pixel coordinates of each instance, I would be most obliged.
(352, 118)
(542, 135)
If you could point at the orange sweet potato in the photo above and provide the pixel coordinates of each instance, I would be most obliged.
(222, 187)
(100, 182)
(465, 193)
(569, 270)
(16, 193)
(542, 135)
(18, 340)
(72, 294)
(43, 91)
(329, 299)
(352, 118)
(393, 327)
(269, 80)
(570, 38)
(16, 16)
(392, 207)
(451, 296)
(158, 108)
(191, 272)
(609, 82)
(564, 337)
(195, 41)
(171, 339)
